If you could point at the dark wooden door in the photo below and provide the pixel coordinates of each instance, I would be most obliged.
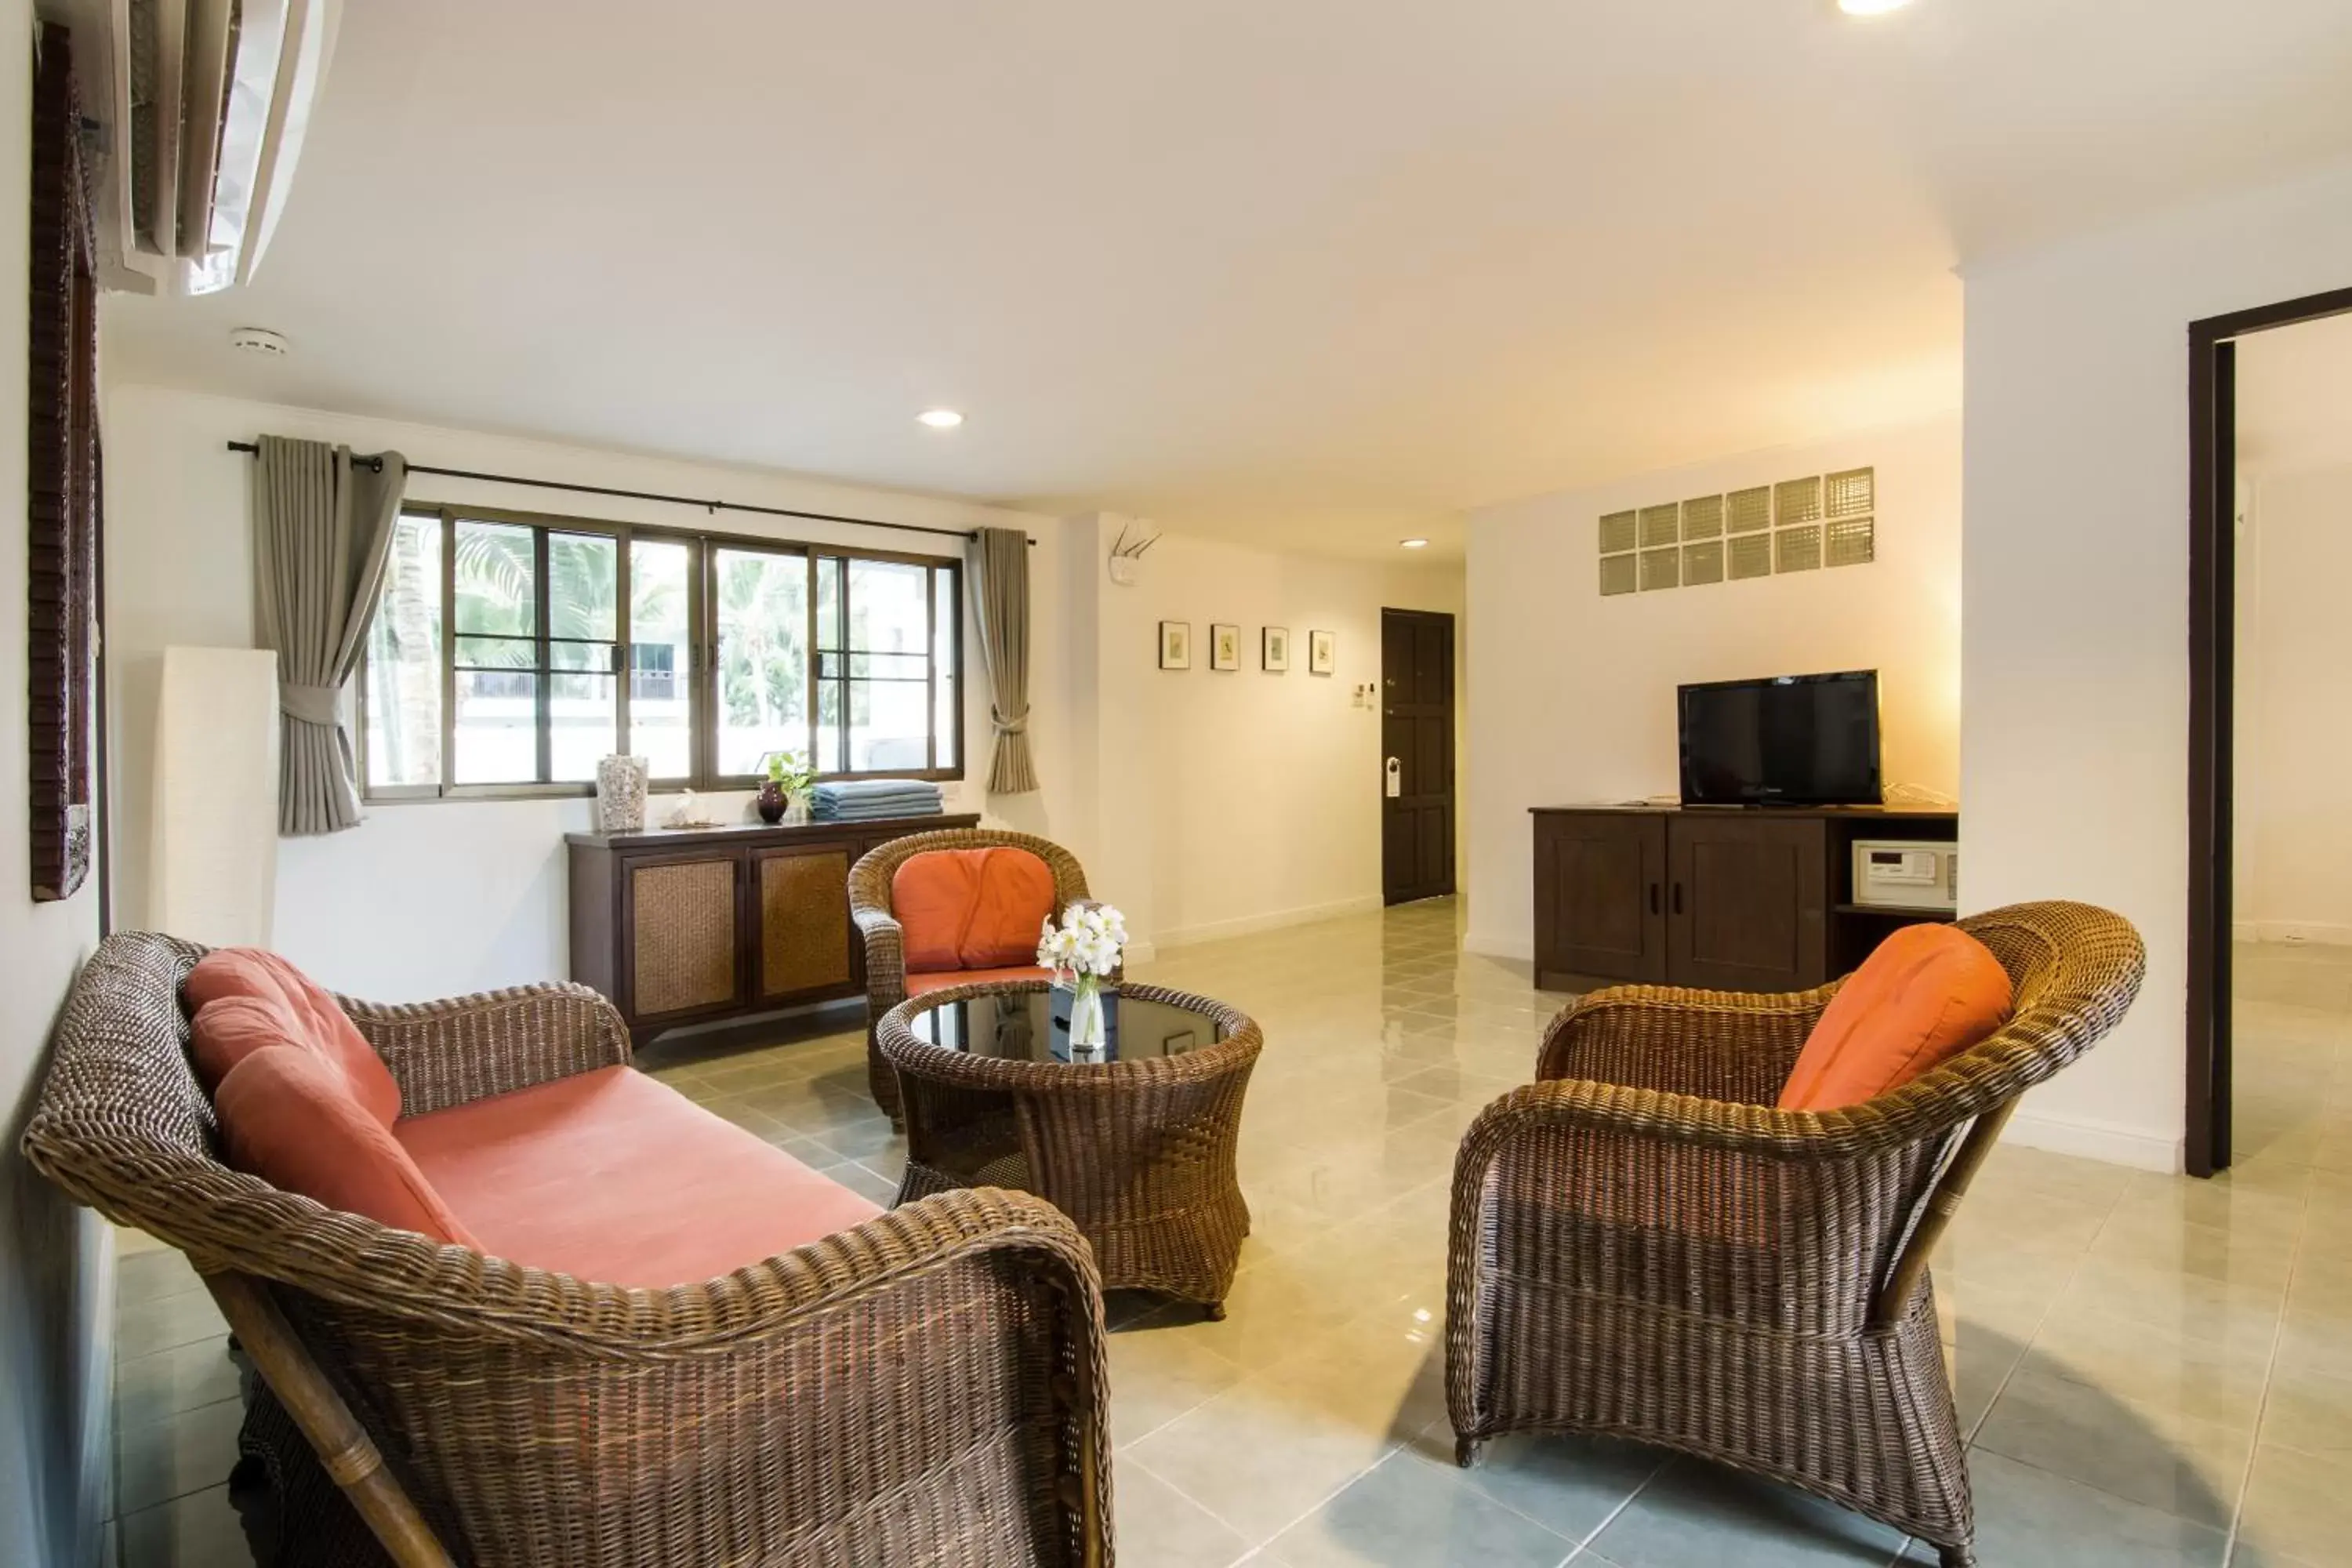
(1417, 754)
(1747, 902)
(1600, 897)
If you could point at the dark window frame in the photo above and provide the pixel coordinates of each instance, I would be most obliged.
(699, 673)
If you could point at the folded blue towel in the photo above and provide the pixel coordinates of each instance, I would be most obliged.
(862, 789)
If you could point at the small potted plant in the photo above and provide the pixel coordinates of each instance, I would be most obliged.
(785, 792)
(1084, 954)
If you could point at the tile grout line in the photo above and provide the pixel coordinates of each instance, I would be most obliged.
(2270, 1373)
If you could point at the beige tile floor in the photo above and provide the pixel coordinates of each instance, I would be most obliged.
(2153, 1370)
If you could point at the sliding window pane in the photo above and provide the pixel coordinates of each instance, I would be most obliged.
(890, 699)
(583, 710)
(497, 654)
(402, 699)
(496, 577)
(660, 655)
(762, 675)
(582, 623)
(946, 693)
(498, 727)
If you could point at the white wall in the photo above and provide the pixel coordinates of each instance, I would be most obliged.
(431, 899)
(56, 1265)
(1233, 801)
(2075, 611)
(1572, 695)
(2294, 752)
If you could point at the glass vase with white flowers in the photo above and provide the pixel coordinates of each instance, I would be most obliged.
(1084, 952)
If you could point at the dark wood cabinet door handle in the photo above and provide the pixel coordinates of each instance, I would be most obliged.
(1678, 897)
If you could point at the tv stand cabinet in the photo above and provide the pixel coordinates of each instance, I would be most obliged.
(1723, 898)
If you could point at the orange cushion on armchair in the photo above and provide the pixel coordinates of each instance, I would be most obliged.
(971, 908)
(305, 1010)
(1928, 993)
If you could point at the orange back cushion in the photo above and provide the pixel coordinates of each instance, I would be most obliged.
(971, 908)
(308, 1015)
(288, 1116)
(1928, 993)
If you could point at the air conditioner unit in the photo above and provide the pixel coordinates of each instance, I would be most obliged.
(211, 100)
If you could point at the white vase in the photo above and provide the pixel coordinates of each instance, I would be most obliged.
(621, 794)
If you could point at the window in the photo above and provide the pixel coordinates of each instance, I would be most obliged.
(507, 653)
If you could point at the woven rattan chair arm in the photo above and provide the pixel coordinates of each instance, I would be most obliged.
(470, 1047)
(1715, 1045)
(1670, 1118)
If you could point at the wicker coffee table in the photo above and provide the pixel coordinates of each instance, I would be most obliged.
(1139, 1150)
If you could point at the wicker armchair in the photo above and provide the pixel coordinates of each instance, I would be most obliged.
(927, 1387)
(886, 959)
(1643, 1246)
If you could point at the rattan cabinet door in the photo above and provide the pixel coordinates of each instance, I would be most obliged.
(801, 904)
(685, 924)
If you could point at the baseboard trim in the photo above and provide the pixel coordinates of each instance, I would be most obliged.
(1489, 945)
(1246, 925)
(2298, 932)
(2090, 1139)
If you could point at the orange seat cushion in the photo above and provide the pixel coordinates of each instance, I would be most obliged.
(312, 1018)
(288, 1116)
(1928, 993)
(612, 1177)
(939, 980)
(971, 908)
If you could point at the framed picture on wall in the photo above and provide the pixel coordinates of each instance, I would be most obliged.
(1275, 653)
(1225, 647)
(1322, 652)
(1175, 645)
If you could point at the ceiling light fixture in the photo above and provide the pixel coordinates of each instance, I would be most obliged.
(940, 418)
(1415, 543)
(261, 341)
(1870, 7)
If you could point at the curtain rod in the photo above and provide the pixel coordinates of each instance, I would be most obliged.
(376, 465)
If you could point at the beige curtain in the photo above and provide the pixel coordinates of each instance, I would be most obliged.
(321, 527)
(999, 562)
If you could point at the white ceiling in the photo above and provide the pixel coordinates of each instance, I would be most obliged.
(1318, 272)
(2295, 398)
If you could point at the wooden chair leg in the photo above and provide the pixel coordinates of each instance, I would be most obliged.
(343, 1446)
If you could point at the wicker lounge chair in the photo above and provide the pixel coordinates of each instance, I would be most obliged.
(1643, 1246)
(885, 962)
(926, 1387)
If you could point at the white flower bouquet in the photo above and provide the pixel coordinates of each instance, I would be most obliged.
(1083, 951)
(1088, 943)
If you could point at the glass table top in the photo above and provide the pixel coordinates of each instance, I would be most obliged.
(1033, 1025)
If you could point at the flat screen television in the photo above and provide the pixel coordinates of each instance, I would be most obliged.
(1792, 740)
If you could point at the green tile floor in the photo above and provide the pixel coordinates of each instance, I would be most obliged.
(2154, 1370)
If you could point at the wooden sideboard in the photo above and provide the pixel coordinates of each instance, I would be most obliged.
(1723, 897)
(697, 925)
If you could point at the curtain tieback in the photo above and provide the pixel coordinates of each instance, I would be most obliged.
(312, 704)
(1008, 726)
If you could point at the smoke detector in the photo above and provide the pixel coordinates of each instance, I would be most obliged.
(261, 341)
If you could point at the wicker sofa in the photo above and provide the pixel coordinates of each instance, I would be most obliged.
(1642, 1246)
(925, 1387)
(885, 954)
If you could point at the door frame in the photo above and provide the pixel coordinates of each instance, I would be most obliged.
(1452, 748)
(2212, 631)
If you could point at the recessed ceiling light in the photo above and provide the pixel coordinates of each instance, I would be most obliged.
(1870, 7)
(1415, 543)
(941, 418)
